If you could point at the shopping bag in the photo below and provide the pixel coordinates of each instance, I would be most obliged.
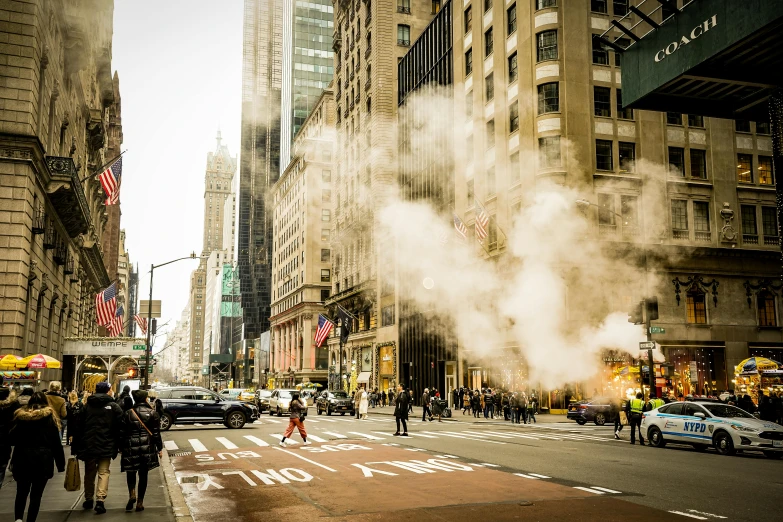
(624, 419)
(73, 479)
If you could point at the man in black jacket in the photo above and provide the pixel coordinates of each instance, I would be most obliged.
(96, 442)
(124, 400)
(8, 406)
(425, 405)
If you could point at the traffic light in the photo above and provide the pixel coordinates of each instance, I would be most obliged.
(635, 315)
(132, 373)
(154, 327)
(652, 308)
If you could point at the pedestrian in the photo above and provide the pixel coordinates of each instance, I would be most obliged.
(410, 400)
(766, 408)
(532, 407)
(401, 404)
(363, 403)
(74, 408)
(425, 405)
(466, 398)
(124, 400)
(383, 398)
(57, 403)
(391, 397)
(634, 410)
(614, 408)
(522, 407)
(298, 412)
(152, 398)
(96, 442)
(478, 403)
(505, 404)
(357, 398)
(496, 396)
(512, 407)
(8, 406)
(489, 402)
(436, 407)
(456, 395)
(35, 435)
(141, 446)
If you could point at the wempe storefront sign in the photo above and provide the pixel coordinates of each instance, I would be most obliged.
(103, 346)
(686, 39)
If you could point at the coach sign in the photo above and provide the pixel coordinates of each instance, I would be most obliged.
(102, 346)
(686, 39)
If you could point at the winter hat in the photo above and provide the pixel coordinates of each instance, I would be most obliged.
(102, 387)
(126, 389)
(4, 393)
(27, 391)
(139, 396)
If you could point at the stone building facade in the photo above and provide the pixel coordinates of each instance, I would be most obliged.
(58, 99)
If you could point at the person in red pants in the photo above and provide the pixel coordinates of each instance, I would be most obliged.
(296, 419)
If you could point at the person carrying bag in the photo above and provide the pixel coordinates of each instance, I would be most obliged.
(298, 413)
(141, 446)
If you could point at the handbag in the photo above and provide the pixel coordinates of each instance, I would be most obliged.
(73, 479)
(142, 423)
(303, 414)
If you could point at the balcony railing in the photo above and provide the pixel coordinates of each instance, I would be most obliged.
(704, 236)
(630, 231)
(67, 195)
(607, 231)
(750, 239)
(402, 9)
(61, 253)
(404, 43)
(771, 240)
(39, 221)
(68, 270)
(680, 234)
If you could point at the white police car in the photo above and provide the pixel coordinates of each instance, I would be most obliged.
(702, 424)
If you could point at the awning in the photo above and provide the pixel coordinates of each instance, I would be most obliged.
(363, 377)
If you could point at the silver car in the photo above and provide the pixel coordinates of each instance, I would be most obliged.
(280, 401)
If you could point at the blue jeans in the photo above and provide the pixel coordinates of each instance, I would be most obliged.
(488, 411)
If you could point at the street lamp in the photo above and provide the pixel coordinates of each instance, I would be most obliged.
(149, 318)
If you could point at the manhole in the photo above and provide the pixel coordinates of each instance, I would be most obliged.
(180, 454)
(195, 479)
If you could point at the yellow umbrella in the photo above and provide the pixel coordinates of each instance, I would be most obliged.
(38, 361)
(8, 362)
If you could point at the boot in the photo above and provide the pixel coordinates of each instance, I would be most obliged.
(99, 507)
(131, 501)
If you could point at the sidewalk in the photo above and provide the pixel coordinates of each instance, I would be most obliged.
(458, 416)
(59, 505)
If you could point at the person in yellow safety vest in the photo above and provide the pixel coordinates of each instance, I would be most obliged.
(634, 409)
(653, 403)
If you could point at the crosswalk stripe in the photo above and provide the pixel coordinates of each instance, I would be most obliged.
(256, 440)
(336, 435)
(313, 420)
(519, 435)
(273, 421)
(279, 436)
(328, 420)
(606, 490)
(458, 436)
(539, 476)
(594, 492)
(371, 437)
(486, 436)
(170, 445)
(526, 476)
(316, 439)
(197, 445)
(227, 443)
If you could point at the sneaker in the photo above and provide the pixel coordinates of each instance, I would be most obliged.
(99, 508)
(405, 434)
(617, 435)
(282, 444)
(397, 434)
(87, 504)
(307, 443)
(129, 505)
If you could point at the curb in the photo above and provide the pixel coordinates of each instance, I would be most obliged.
(177, 499)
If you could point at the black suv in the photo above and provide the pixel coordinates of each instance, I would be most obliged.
(333, 402)
(192, 405)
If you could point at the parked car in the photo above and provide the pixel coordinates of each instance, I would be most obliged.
(333, 402)
(599, 410)
(238, 394)
(280, 400)
(191, 405)
(262, 399)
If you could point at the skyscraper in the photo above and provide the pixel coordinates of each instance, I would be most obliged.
(221, 167)
(308, 64)
(260, 157)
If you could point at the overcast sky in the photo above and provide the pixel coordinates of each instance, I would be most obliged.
(180, 68)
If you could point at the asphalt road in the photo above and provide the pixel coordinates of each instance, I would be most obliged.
(555, 471)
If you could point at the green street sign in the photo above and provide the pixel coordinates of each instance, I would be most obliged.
(657, 329)
(139, 347)
(150, 368)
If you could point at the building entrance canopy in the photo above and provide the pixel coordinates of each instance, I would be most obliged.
(105, 346)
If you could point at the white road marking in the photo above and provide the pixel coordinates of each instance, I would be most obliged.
(227, 443)
(607, 490)
(589, 490)
(317, 439)
(273, 421)
(335, 435)
(526, 476)
(197, 445)
(487, 436)
(170, 445)
(703, 513)
(313, 420)
(515, 435)
(539, 476)
(328, 420)
(697, 517)
(458, 436)
(327, 468)
(371, 437)
(279, 436)
(256, 440)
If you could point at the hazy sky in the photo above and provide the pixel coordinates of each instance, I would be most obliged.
(180, 68)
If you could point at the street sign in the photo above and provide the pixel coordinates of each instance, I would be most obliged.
(657, 329)
(647, 345)
(145, 311)
(139, 347)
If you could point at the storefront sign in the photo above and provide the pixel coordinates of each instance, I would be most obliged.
(387, 360)
(684, 40)
(694, 370)
(102, 346)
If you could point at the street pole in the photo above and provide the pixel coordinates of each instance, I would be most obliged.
(649, 351)
(148, 352)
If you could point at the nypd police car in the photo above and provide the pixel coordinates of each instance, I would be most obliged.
(702, 424)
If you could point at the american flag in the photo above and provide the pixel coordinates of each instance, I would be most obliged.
(482, 220)
(142, 322)
(110, 181)
(460, 227)
(106, 305)
(115, 326)
(322, 332)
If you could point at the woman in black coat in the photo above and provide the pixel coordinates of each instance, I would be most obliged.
(401, 404)
(35, 436)
(140, 445)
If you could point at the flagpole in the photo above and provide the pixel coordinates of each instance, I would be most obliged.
(103, 167)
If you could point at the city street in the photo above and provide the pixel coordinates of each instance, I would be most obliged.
(459, 469)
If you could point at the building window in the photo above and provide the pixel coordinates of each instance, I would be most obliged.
(546, 45)
(603, 155)
(742, 125)
(487, 5)
(468, 19)
(326, 196)
(623, 114)
(488, 42)
(618, 57)
(620, 7)
(680, 219)
(489, 86)
(629, 209)
(471, 194)
(698, 164)
(326, 176)
(326, 255)
(602, 101)
(513, 167)
(324, 294)
(606, 213)
(600, 54)
(491, 183)
(326, 215)
(468, 62)
(548, 98)
(598, 6)
(549, 152)
(325, 234)
(403, 35)
(511, 19)
(325, 275)
(762, 127)
(469, 105)
(695, 120)
(673, 118)
(701, 220)
(403, 6)
(696, 307)
(677, 161)
(513, 116)
(750, 234)
(627, 156)
(387, 315)
(435, 6)
(766, 308)
(492, 233)
(769, 223)
(513, 72)
(543, 4)
(490, 134)
(765, 170)
(744, 168)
